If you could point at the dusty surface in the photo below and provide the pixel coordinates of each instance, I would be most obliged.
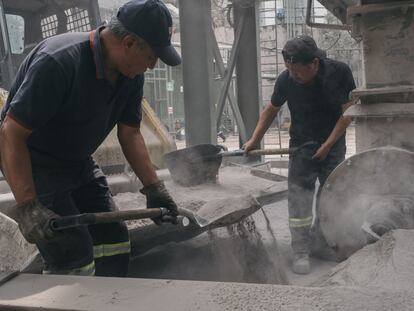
(14, 250)
(277, 214)
(387, 264)
(200, 259)
(221, 212)
(243, 252)
(234, 182)
(103, 294)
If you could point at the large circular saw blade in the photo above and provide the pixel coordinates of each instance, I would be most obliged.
(365, 188)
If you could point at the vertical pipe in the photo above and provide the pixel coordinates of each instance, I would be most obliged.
(248, 67)
(94, 14)
(195, 25)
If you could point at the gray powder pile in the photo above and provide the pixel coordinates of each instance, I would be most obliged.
(386, 264)
(14, 250)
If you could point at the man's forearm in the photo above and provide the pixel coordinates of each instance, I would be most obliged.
(17, 168)
(338, 131)
(137, 155)
(340, 126)
(266, 118)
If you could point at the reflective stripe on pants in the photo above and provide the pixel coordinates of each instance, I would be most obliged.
(300, 222)
(87, 270)
(106, 250)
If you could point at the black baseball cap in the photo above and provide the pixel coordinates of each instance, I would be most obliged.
(302, 49)
(151, 21)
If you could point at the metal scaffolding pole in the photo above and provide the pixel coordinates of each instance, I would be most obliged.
(197, 55)
(248, 66)
(227, 75)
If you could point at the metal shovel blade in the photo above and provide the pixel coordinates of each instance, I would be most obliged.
(225, 212)
(193, 217)
(200, 163)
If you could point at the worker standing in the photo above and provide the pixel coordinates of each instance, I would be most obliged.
(316, 90)
(68, 95)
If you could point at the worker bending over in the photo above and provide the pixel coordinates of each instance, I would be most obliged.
(68, 95)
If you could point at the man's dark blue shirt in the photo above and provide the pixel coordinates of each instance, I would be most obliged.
(62, 93)
(316, 108)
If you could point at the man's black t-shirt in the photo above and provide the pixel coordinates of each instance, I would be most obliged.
(62, 93)
(315, 108)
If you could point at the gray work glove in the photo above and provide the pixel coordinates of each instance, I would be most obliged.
(158, 196)
(33, 219)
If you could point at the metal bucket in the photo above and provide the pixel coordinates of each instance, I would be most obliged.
(194, 165)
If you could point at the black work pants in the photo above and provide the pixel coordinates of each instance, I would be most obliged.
(303, 172)
(102, 249)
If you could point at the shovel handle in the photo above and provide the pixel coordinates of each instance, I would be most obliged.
(239, 153)
(269, 151)
(281, 150)
(106, 217)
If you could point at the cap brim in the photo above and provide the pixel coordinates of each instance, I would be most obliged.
(168, 55)
(321, 54)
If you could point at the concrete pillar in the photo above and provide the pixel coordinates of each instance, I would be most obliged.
(195, 26)
(248, 66)
(385, 116)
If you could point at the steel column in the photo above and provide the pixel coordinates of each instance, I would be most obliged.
(248, 66)
(227, 75)
(94, 14)
(197, 55)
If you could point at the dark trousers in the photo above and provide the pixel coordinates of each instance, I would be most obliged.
(303, 172)
(101, 250)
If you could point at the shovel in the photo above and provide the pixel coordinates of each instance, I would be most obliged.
(200, 163)
(87, 219)
(257, 152)
(214, 213)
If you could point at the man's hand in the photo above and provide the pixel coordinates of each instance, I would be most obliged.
(249, 146)
(158, 196)
(33, 219)
(322, 152)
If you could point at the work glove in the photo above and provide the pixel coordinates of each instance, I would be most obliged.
(158, 196)
(33, 220)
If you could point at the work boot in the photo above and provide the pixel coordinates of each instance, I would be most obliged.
(301, 264)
